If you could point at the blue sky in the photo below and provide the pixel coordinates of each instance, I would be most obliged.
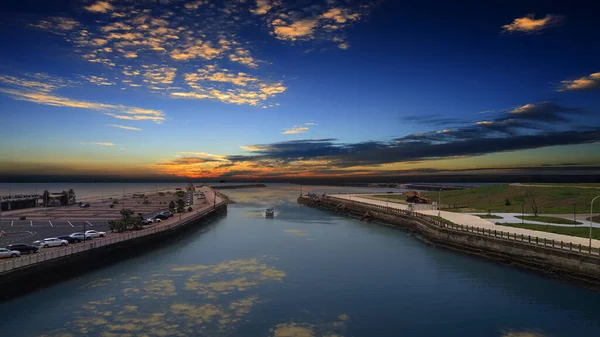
(269, 88)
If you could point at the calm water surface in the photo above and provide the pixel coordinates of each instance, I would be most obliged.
(304, 273)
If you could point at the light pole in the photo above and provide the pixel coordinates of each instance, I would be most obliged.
(440, 200)
(592, 219)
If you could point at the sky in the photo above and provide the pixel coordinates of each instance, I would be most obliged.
(263, 89)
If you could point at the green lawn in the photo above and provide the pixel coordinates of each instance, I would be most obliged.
(581, 231)
(489, 216)
(549, 219)
(556, 200)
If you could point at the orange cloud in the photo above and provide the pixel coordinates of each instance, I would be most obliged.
(100, 7)
(528, 24)
(583, 83)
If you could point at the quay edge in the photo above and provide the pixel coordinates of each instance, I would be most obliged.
(563, 264)
(19, 281)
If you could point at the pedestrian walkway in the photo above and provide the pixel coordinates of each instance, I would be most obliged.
(475, 221)
(512, 218)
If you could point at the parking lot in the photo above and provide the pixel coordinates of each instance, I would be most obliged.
(27, 231)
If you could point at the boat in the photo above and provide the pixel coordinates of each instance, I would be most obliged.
(269, 213)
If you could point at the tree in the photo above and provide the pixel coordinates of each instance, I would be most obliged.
(180, 205)
(127, 222)
(190, 209)
(172, 206)
(531, 196)
(180, 194)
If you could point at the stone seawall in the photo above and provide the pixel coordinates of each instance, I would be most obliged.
(21, 280)
(551, 258)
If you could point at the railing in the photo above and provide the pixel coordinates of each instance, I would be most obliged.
(23, 261)
(526, 239)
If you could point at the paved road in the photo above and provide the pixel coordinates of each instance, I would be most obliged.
(472, 220)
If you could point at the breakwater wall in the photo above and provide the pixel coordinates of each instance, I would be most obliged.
(557, 259)
(25, 274)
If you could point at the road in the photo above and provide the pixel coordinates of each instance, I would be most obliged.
(475, 221)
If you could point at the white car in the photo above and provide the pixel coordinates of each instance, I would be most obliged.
(95, 234)
(9, 253)
(53, 242)
(80, 236)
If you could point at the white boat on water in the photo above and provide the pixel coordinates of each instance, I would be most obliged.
(269, 213)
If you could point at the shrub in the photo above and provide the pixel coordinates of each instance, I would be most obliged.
(22, 217)
(115, 202)
(146, 202)
(507, 202)
(112, 206)
(190, 209)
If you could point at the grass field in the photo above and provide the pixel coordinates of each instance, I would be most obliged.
(580, 231)
(557, 200)
(489, 216)
(549, 219)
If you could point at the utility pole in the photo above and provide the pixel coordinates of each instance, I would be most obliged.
(522, 213)
(574, 216)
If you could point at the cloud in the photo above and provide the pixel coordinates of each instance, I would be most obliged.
(295, 130)
(591, 82)
(528, 24)
(262, 7)
(301, 29)
(57, 24)
(97, 80)
(104, 144)
(312, 22)
(43, 93)
(125, 127)
(242, 56)
(228, 87)
(100, 7)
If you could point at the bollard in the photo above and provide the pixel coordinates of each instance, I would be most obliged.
(570, 245)
(536, 240)
(580, 247)
(495, 234)
(561, 244)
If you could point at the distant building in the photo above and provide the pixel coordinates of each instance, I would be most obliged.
(64, 198)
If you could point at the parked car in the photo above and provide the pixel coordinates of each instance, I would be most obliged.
(84, 205)
(95, 234)
(70, 239)
(9, 253)
(166, 213)
(79, 236)
(149, 220)
(23, 248)
(161, 216)
(53, 242)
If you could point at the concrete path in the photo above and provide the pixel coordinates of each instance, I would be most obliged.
(512, 218)
(472, 220)
(550, 186)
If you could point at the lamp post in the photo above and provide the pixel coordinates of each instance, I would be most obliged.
(522, 213)
(574, 216)
(439, 200)
(592, 219)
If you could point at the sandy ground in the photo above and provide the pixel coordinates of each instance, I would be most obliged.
(472, 220)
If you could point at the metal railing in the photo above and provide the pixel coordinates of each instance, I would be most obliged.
(526, 239)
(24, 261)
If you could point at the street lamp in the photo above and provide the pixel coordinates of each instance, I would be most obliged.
(440, 200)
(591, 219)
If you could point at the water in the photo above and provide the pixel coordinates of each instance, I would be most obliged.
(304, 273)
